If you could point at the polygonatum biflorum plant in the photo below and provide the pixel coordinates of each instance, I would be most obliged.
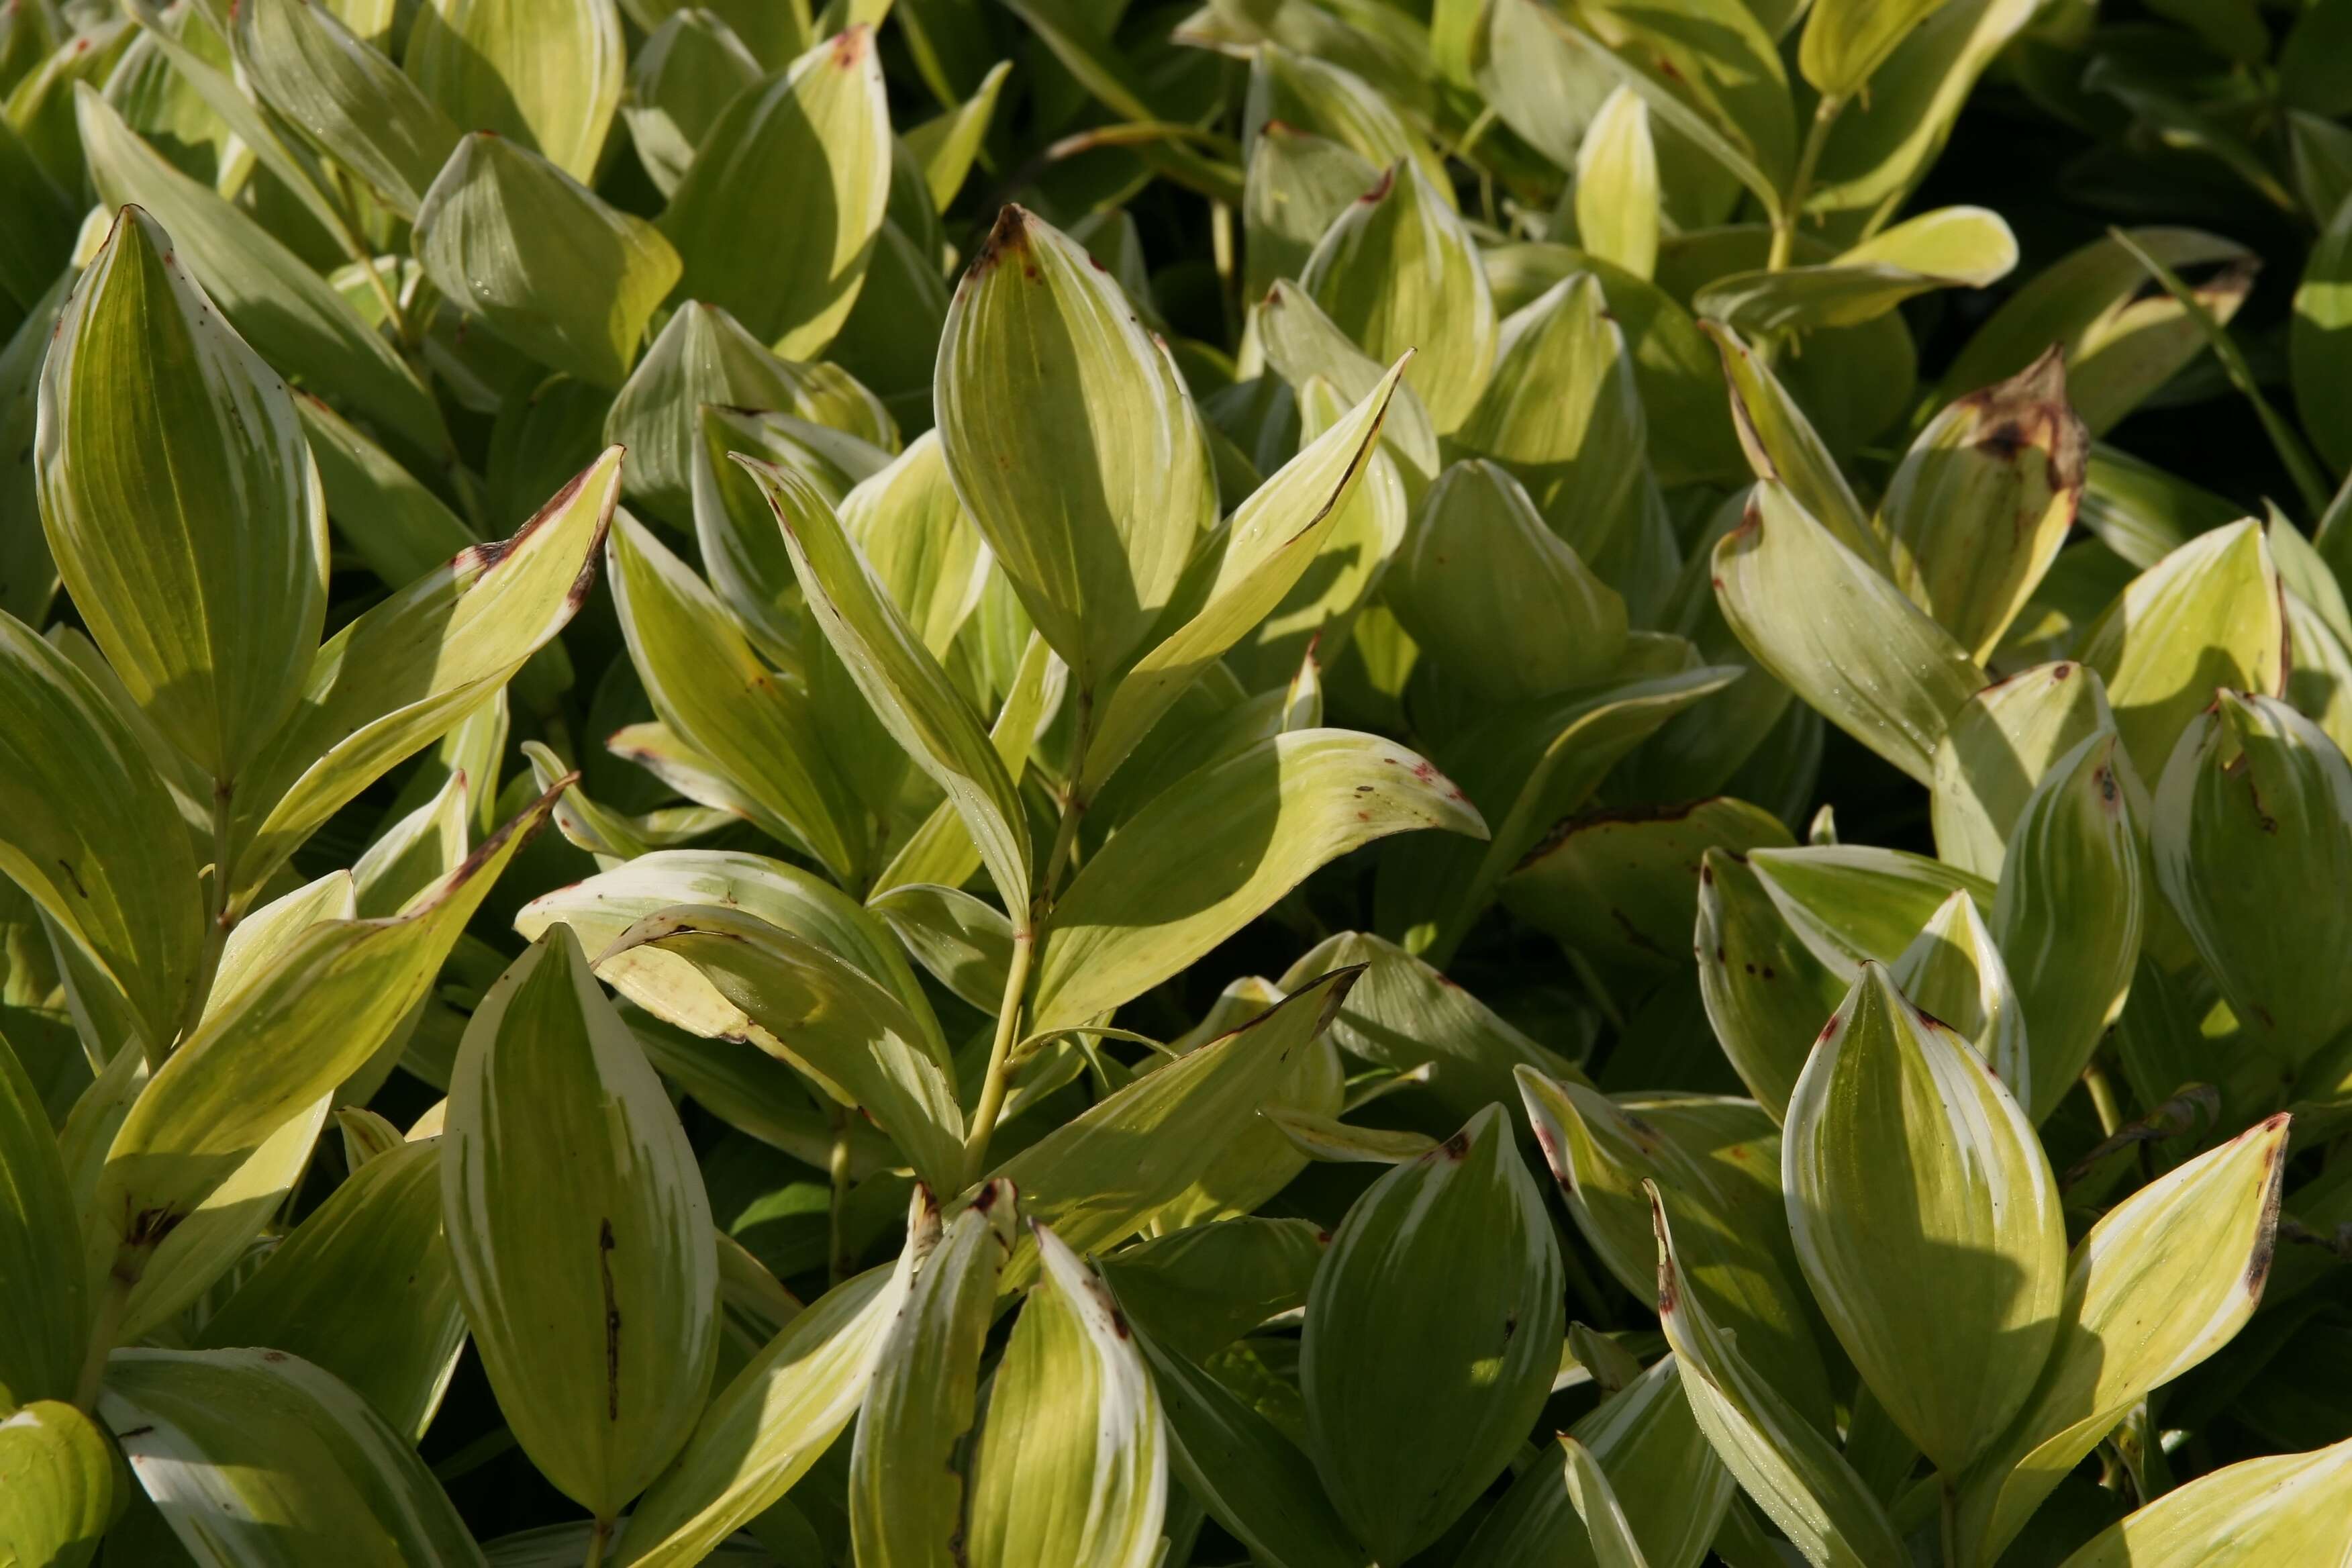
(1337, 783)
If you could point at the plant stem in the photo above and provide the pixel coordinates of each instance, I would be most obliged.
(999, 1055)
(1784, 226)
(598, 1539)
(836, 1252)
(1951, 1529)
(1065, 839)
(219, 920)
(104, 1331)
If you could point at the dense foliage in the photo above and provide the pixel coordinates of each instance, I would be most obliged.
(1335, 782)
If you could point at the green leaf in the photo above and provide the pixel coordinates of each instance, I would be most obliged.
(96, 841)
(1198, 863)
(544, 73)
(1847, 40)
(1953, 972)
(1272, 540)
(192, 532)
(56, 1485)
(1397, 272)
(1763, 987)
(1334, 1141)
(1844, 638)
(1431, 1336)
(347, 98)
(1926, 1220)
(1531, 764)
(1200, 1288)
(1072, 1465)
(1308, 91)
(1781, 444)
(1073, 444)
(256, 1456)
(964, 941)
(413, 668)
(685, 74)
(829, 1019)
(1733, 1216)
(1252, 1481)
(544, 262)
(388, 518)
(763, 1430)
(1672, 1489)
(2317, 342)
(1404, 1016)
(712, 690)
(704, 355)
(1562, 412)
(1998, 747)
(2162, 1281)
(2251, 829)
(905, 1497)
(1780, 1458)
(42, 1292)
(1614, 1544)
(1887, 140)
(580, 1231)
(1950, 248)
(363, 1288)
(256, 1061)
(2281, 1509)
(946, 146)
(1504, 602)
(1297, 182)
(1621, 888)
(1136, 1155)
(1977, 509)
(899, 675)
(2206, 616)
(2076, 847)
(764, 261)
(269, 295)
(2121, 342)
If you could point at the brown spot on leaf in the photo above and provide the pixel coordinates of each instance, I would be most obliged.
(612, 1320)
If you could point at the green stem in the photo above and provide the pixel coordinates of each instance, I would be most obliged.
(1066, 840)
(836, 1250)
(1951, 1529)
(1784, 224)
(102, 1336)
(598, 1539)
(1000, 1056)
(220, 916)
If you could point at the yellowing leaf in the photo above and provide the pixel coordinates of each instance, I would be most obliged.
(1398, 271)
(56, 1485)
(1072, 1465)
(1617, 197)
(1998, 747)
(1846, 41)
(546, 73)
(2287, 1507)
(1782, 1460)
(1978, 508)
(905, 1497)
(1926, 1219)
(181, 503)
(1073, 443)
(2161, 1282)
(2208, 616)
(1199, 862)
(581, 1234)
